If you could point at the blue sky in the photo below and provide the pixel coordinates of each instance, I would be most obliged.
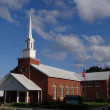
(69, 34)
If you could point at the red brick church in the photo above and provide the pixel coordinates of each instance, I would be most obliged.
(33, 82)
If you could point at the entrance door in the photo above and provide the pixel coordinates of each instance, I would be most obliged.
(22, 96)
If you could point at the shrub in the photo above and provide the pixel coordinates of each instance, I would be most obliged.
(62, 105)
(1, 103)
(23, 104)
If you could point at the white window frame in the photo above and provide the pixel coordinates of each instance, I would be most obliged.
(72, 89)
(61, 91)
(98, 95)
(54, 91)
(67, 89)
(77, 89)
(89, 82)
(97, 83)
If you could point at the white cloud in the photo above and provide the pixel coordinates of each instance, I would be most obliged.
(4, 13)
(91, 10)
(61, 28)
(70, 43)
(49, 16)
(94, 40)
(14, 4)
(79, 65)
(101, 53)
(48, 2)
(56, 56)
(65, 11)
(7, 5)
(82, 57)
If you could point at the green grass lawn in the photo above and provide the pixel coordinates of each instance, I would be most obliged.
(96, 104)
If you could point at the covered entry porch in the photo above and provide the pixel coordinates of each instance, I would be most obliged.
(18, 88)
(23, 96)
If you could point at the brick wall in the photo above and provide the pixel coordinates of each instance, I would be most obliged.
(64, 82)
(25, 62)
(91, 91)
(41, 80)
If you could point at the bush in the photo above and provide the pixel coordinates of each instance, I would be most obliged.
(1, 103)
(62, 105)
(23, 104)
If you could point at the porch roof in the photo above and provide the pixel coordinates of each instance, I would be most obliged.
(18, 82)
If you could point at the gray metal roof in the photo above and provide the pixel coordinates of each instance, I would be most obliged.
(18, 82)
(56, 72)
(94, 76)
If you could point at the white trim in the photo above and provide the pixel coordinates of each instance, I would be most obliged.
(97, 85)
(61, 91)
(5, 94)
(72, 89)
(38, 96)
(77, 90)
(54, 90)
(26, 96)
(41, 96)
(17, 96)
(67, 89)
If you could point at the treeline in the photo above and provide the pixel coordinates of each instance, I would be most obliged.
(97, 69)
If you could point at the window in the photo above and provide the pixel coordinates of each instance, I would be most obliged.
(72, 88)
(61, 91)
(97, 83)
(67, 90)
(89, 83)
(27, 44)
(97, 94)
(77, 90)
(54, 91)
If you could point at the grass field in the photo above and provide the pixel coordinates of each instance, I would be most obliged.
(96, 104)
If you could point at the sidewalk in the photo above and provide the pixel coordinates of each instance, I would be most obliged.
(101, 108)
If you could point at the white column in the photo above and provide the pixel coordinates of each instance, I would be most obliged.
(38, 96)
(9, 96)
(17, 96)
(26, 96)
(41, 96)
(5, 94)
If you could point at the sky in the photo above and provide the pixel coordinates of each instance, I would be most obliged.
(69, 34)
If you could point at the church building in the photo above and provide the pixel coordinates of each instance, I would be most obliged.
(32, 82)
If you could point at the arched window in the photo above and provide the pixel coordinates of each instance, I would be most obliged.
(67, 89)
(61, 91)
(54, 91)
(72, 88)
(77, 90)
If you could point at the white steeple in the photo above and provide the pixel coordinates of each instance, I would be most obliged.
(29, 52)
(30, 28)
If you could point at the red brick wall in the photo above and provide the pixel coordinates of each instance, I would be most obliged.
(25, 62)
(64, 82)
(41, 80)
(91, 91)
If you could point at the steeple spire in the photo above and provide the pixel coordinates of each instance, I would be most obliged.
(29, 51)
(30, 28)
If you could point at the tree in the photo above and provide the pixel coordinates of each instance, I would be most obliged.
(97, 69)
(94, 69)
